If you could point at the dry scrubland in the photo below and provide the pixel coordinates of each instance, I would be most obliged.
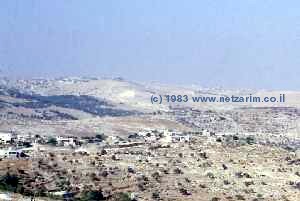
(198, 170)
(123, 148)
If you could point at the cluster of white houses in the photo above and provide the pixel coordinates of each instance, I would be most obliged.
(10, 141)
(165, 136)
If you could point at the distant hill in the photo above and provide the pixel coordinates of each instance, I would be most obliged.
(115, 97)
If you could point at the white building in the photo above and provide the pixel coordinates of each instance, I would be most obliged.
(66, 141)
(11, 153)
(6, 137)
(176, 137)
(166, 139)
(24, 138)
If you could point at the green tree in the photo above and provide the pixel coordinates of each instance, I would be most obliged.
(52, 141)
(92, 196)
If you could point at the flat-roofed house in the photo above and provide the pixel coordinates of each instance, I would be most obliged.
(66, 141)
(6, 137)
(179, 137)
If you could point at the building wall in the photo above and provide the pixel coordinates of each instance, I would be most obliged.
(5, 137)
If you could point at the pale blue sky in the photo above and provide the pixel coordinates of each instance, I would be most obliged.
(248, 43)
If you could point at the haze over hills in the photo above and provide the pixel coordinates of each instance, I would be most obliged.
(209, 109)
(80, 100)
(131, 94)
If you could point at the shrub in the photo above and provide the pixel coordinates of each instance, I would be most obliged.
(250, 140)
(52, 141)
(121, 197)
(10, 183)
(101, 137)
(92, 196)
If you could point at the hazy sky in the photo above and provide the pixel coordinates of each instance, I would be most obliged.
(232, 43)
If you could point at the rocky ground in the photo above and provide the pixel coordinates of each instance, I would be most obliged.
(213, 166)
(204, 169)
